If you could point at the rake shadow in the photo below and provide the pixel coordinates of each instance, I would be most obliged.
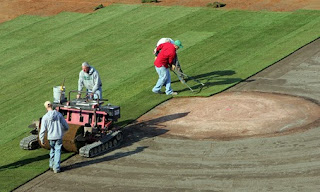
(210, 79)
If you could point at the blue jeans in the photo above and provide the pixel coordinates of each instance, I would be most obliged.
(55, 154)
(164, 80)
(96, 94)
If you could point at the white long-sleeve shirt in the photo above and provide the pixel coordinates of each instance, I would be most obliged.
(90, 80)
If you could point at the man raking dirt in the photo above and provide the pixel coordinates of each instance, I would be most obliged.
(165, 57)
(175, 66)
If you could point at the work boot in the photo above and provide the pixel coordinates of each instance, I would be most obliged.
(174, 93)
(158, 92)
(56, 171)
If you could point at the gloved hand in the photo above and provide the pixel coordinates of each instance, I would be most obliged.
(173, 67)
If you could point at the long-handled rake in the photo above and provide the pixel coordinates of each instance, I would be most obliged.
(196, 80)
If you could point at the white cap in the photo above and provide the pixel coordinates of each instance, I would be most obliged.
(47, 104)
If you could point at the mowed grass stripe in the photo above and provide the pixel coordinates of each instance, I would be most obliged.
(56, 37)
(246, 51)
(33, 66)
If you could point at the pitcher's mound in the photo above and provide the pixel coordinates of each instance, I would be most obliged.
(230, 115)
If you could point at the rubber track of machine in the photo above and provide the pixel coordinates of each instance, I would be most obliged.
(105, 144)
(29, 143)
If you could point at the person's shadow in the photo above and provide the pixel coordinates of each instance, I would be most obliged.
(209, 79)
(23, 162)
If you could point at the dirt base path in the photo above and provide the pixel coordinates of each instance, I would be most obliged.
(153, 159)
(10, 9)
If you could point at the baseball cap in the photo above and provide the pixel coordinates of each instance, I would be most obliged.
(85, 64)
(47, 104)
(178, 43)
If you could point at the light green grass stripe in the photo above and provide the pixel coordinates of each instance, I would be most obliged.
(55, 37)
(19, 23)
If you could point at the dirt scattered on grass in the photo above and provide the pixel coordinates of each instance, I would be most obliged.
(11, 9)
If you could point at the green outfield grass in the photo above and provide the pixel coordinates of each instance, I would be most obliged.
(221, 48)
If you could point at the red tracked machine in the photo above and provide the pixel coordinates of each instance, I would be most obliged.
(91, 127)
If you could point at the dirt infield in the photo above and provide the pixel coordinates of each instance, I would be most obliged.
(230, 115)
(11, 9)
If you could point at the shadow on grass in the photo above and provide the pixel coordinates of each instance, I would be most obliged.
(209, 76)
(210, 79)
(24, 162)
(133, 133)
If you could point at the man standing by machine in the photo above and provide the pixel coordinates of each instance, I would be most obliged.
(166, 55)
(55, 125)
(89, 77)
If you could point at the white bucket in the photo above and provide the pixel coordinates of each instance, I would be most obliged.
(58, 94)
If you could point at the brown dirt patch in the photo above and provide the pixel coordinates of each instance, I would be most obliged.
(11, 9)
(230, 115)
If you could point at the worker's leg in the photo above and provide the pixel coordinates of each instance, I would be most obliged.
(57, 156)
(55, 153)
(97, 93)
(52, 149)
(162, 80)
(167, 83)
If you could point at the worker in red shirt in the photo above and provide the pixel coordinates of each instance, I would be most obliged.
(166, 55)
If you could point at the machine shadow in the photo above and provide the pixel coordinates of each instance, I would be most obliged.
(133, 133)
(137, 131)
(103, 159)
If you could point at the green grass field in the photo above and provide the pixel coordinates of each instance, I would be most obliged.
(221, 48)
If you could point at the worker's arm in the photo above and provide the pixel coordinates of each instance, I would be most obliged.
(97, 82)
(80, 85)
(42, 130)
(172, 58)
(158, 49)
(64, 123)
